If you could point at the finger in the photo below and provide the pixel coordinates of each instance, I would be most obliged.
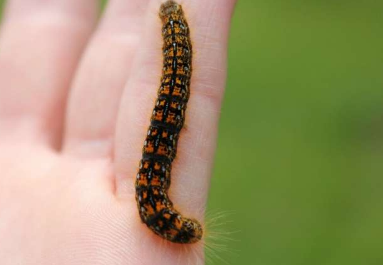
(209, 23)
(40, 43)
(103, 71)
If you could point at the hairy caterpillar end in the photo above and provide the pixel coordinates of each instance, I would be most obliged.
(217, 237)
(153, 179)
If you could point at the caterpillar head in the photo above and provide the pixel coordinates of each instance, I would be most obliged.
(170, 9)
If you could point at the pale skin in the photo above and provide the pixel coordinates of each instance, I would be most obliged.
(76, 94)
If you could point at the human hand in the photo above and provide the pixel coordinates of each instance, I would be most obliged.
(75, 105)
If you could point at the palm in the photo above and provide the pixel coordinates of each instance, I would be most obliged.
(66, 184)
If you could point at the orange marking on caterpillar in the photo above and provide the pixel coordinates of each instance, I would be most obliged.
(153, 179)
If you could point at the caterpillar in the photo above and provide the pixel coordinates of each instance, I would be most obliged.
(160, 147)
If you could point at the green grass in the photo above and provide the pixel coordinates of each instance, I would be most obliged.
(300, 155)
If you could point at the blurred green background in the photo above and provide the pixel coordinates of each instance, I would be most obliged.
(300, 155)
(299, 166)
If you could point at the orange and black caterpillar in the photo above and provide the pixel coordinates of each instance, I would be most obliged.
(153, 179)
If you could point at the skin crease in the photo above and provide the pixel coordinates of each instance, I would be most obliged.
(75, 103)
